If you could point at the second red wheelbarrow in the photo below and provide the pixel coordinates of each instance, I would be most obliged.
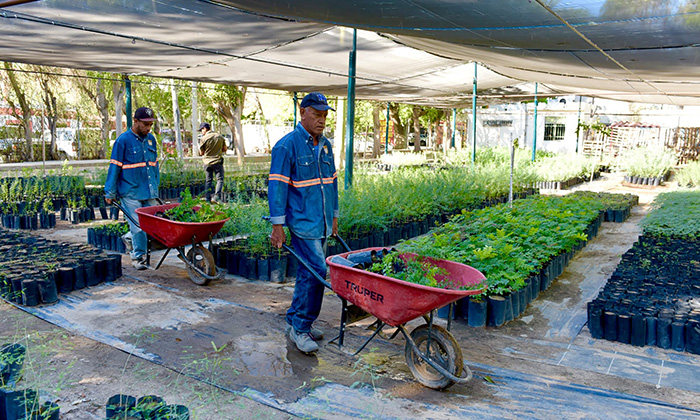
(170, 234)
(432, 353)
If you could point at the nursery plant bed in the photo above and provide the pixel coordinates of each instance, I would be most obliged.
(35, 271)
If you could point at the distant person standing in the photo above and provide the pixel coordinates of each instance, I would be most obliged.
(303, 194)
(133, 177)
(212, 146)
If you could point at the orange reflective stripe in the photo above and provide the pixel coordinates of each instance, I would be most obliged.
(280, 177)
(308, 183)
(135, 165)
(116, 162)
(328, 180)
(153, 163)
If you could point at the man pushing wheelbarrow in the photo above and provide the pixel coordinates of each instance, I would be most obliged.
(133, 177)
(303, 194)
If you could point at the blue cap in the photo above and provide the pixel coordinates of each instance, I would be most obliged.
(317, 101)
(204, 125)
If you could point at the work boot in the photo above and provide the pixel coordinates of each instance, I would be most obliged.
(139, 263)
(305, 343)
(316, 334)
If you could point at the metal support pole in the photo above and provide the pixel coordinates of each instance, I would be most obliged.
(534, 131)
(350, 122)
(129, 114)
(77, 133)
(194, 118)
(296, 102)
(474, 118)
(43, 145)
(386, 144)
(454, 127)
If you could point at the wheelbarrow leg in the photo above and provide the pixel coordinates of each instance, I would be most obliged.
(377, 331)
(148, 250)
(343, 322)
(163, 258)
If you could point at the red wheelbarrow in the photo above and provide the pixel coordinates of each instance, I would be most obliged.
(170, 234)
(432, 353)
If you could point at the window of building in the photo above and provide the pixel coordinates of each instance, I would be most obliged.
(554, 128)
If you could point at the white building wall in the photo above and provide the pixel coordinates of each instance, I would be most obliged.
(255, 140)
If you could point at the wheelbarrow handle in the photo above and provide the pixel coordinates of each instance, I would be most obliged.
(303, 261)
(306, 265)
(342, 242)
(128, 216)
(119, 206)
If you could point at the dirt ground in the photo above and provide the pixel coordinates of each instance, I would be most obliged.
(221, 350)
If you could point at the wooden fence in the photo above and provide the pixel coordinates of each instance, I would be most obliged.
(684, 140)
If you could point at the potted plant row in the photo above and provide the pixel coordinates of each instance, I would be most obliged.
(108, 236)
(646, 165)
(519, 250)
(147, 407)
(564, 171)
(24, 404)
(35, 270)
(688, 175)
(651, 298)
(618, 207)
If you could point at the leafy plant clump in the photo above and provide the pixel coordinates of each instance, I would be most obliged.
(676, 215)
(415, 270)
(195, 210)
(508, 245)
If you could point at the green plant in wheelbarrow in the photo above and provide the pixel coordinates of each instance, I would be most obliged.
(418, 270)
(194, 210)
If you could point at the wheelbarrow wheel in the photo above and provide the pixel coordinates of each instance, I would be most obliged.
(204, 261)
(444, 350)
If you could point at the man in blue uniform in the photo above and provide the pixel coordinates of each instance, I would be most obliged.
(133, 177)
(303, 194)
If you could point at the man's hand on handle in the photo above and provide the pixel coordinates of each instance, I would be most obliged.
(108, 200)
(278, 237)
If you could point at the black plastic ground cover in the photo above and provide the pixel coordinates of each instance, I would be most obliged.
(653, 297)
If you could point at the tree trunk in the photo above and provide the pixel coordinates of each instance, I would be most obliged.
(268, 148)
(51, 114)
(26, 117)
(97, 96)
(52, 117)
(399, 128)
(377, 126)
(118, 91)
(232, 114)
(416, 129)
(103, 109)
(448, 130)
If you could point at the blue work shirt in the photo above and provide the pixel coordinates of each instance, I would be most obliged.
(303, 186)
(133, 168)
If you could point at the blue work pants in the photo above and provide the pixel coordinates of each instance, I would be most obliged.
(139, 240)
(308, 291)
